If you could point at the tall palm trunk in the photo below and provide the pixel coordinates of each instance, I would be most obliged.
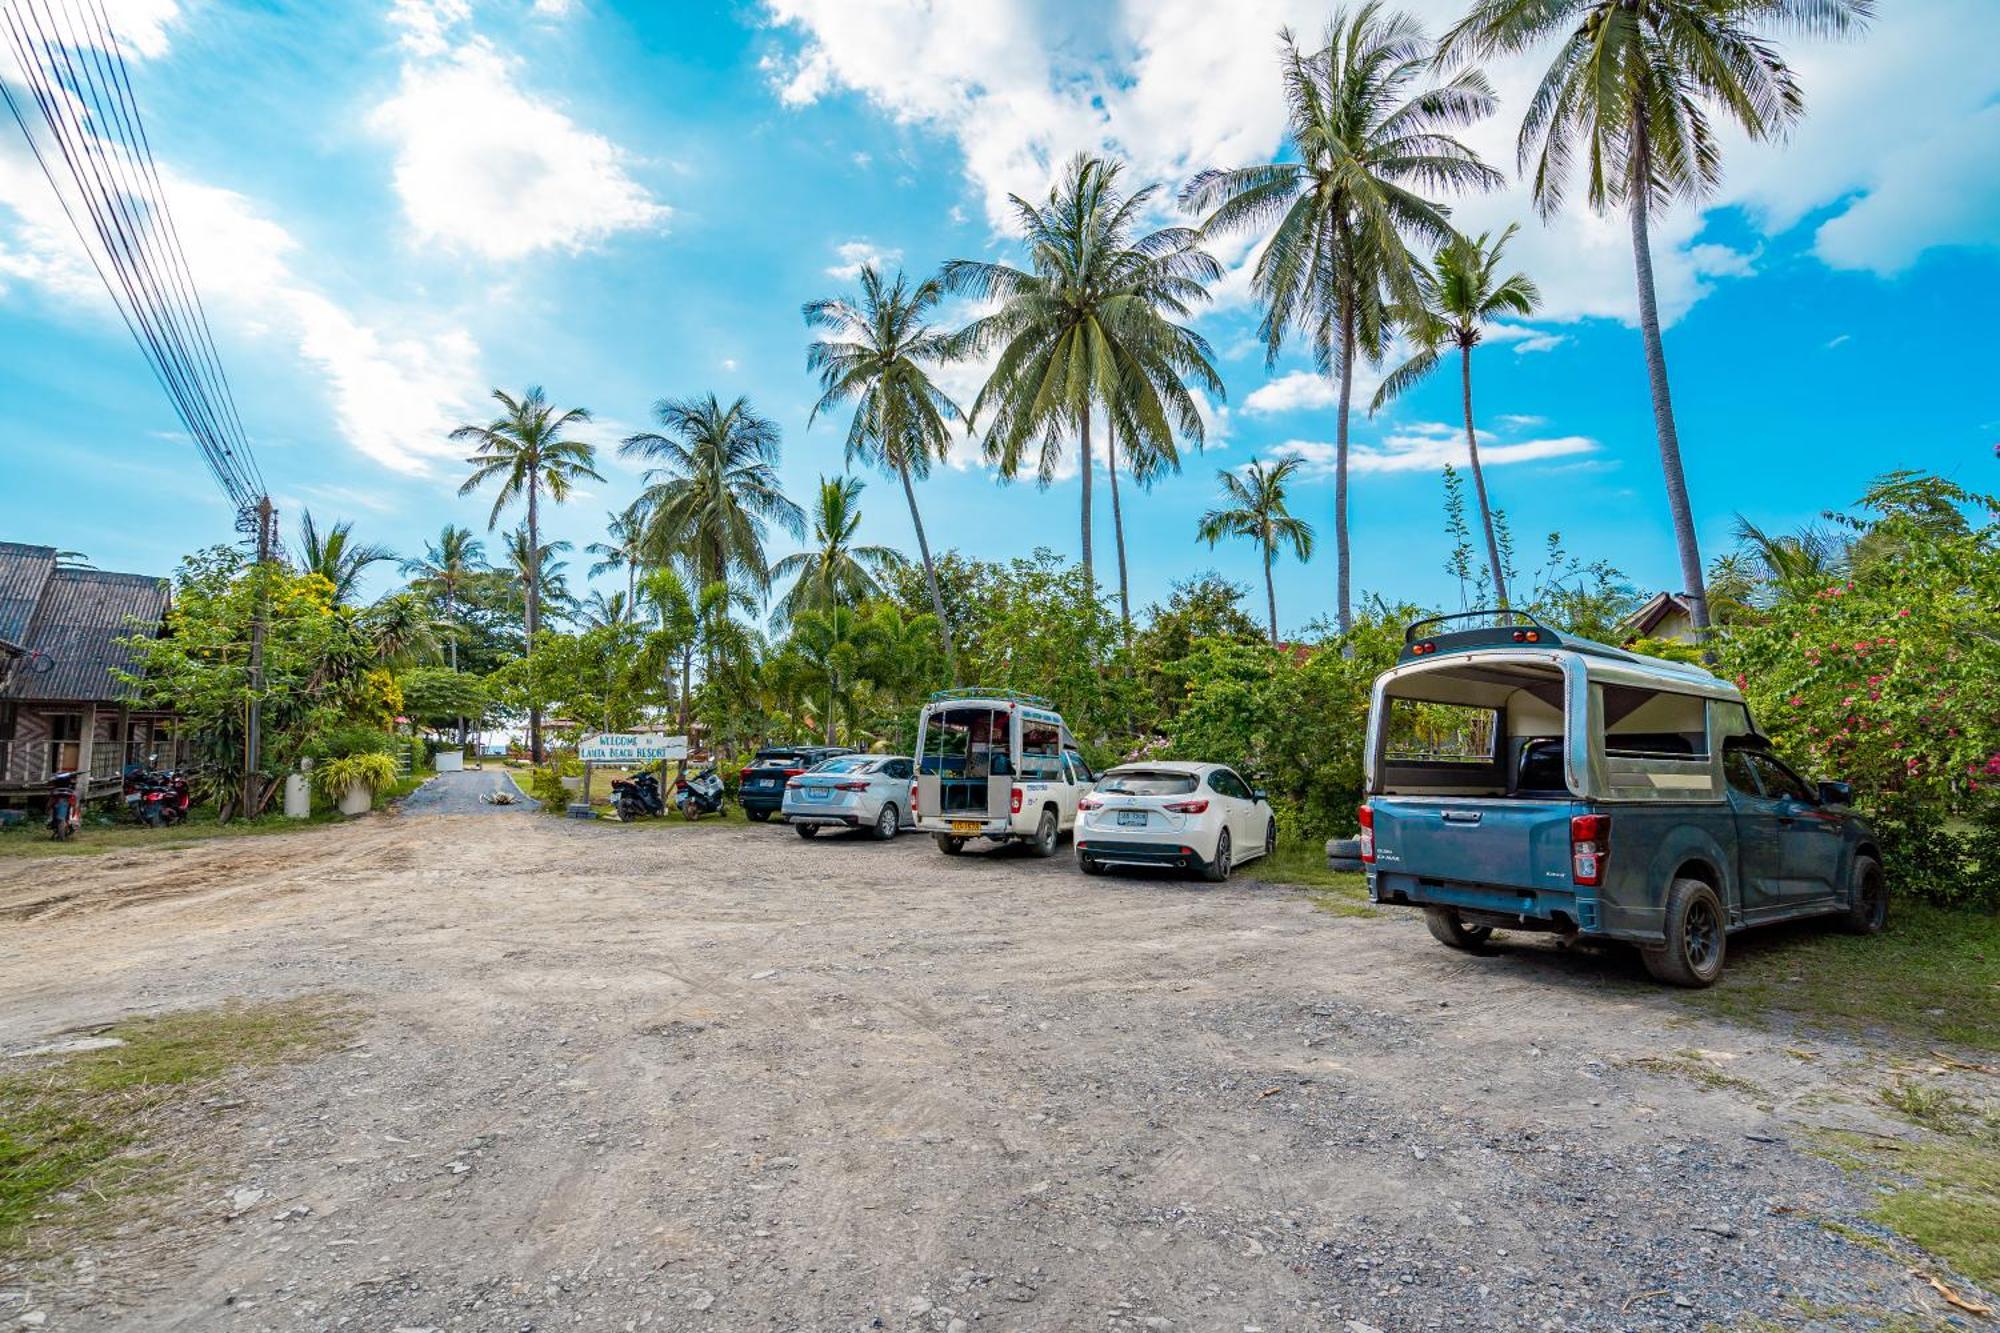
(1118, 530)
(534, 617)
(1479, 479)
(930, 574)
(1270, 586)
(1342, 579)
(1089, 571)
(1663, 407)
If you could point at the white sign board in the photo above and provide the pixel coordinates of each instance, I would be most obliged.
(626, 747)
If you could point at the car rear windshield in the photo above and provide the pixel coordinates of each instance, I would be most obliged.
(1147, 784)
(851, 763)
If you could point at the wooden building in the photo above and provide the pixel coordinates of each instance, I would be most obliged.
(62, 707)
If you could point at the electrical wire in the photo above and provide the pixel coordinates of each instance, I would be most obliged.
(90, 142)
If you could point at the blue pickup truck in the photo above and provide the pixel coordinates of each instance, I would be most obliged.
(1522, 779)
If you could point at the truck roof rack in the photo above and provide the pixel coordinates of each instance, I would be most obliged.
(1506, 627)
(969, 693)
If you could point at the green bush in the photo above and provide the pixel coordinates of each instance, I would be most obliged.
(354, 738)
(545, 785)
(332, 777)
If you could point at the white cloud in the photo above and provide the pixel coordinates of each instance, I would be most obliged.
(485, 166)
(555, 9)
(393, 396)
(1301, 390)
(1524, 338)
(1427, 447)
(1903, 130)
(856, 255)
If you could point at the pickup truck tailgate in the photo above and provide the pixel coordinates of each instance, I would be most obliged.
(1515, 843)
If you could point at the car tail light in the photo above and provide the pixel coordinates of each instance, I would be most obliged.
(1195, 807)
(1014, 801)
(793, 772)
(744, 776)
(1367, 818)
(1589, 847)
(1089, 803)
(850, 786)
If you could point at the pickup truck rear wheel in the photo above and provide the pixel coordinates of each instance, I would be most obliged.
(949, 845)
(1448, 928)
(1697, 937)
(1048, 832)
(1868, 898)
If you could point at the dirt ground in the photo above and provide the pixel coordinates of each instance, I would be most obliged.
(717, 1077)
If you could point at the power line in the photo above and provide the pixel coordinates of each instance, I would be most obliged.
(90, 143)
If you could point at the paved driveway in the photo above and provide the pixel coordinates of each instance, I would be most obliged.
(462, 793)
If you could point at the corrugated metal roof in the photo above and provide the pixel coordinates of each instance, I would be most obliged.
(72, 638)
(24, 570)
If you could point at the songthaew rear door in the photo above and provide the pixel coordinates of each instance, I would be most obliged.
(963, 755)
(1470, 781)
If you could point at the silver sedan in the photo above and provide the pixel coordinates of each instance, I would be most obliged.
(856, 791)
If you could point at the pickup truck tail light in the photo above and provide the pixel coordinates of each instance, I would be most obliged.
(1589, 847)
(913, 800)
(1195, 807)
(1366, 817)
(1014, 801)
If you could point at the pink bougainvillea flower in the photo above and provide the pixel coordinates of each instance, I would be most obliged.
(1903, 613)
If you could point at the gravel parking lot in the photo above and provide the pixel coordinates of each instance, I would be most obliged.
(715, 1077)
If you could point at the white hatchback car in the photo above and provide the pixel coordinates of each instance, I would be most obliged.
(855, 791)
(1201, 817)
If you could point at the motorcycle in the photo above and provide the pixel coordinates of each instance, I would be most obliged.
(157, 798)
(699, 795)
(637, 796)
(65, 806)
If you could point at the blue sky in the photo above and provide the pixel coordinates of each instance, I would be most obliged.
(392, 207)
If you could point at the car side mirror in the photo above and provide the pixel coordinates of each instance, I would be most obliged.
(1836, 793)
(1257, 794)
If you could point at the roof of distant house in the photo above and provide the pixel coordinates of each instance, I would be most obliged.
(1657, 608)
(60, 627)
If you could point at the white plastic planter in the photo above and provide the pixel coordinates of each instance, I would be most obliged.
(358, 799)
(450, 761)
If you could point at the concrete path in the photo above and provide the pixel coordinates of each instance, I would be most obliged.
(460, 793)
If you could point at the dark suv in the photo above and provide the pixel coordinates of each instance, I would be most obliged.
(763, 779)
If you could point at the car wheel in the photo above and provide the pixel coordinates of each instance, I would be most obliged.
(1868, 897)
(1697, 937)
(1448, 928)
(1091, 865)
(1048, 832)
(760, 816)
(950, 845)
(887, 822)
(1271, 838)
(1217, 868)
(807, 830)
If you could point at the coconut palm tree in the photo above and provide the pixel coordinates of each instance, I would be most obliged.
(542, 573)
(335, 556)
(833, 643)
(1089, 327)
(624, 533)
(1632, 93)
(605, 611)
(1457, 296)
(1254, 507)
(444, 573)
(882, 353)
(833, 571)
(524, 449)
(1370, 133)
(669, 646)
(402, 630)
(714, 492)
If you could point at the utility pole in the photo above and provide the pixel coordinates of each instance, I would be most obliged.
(253, 740)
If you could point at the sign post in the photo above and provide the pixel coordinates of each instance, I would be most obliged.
(630, 749)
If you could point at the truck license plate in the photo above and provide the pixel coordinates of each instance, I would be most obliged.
(965, 826)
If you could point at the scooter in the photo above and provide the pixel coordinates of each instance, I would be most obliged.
(637, 796)
(65, 808)
(164, 798)
(699, 795)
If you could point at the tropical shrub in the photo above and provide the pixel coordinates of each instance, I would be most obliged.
(1886, 678)
(334, 776)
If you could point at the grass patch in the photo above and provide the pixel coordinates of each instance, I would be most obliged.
(33, 842)
(1941, 1192)
(1694, 1068)
(1303, 865)
(1932, 976)
(78, 1131)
